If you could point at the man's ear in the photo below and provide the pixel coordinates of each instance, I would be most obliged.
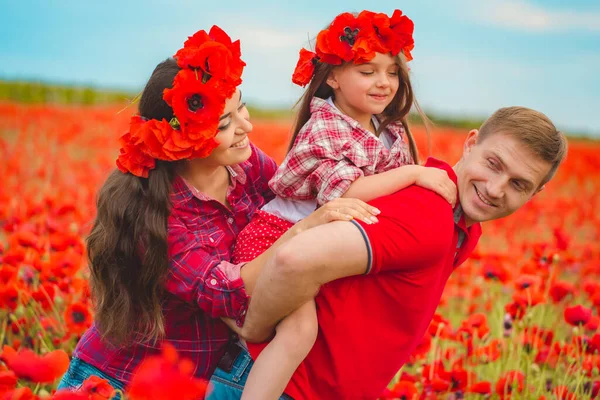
(470, 141)
(332, 80)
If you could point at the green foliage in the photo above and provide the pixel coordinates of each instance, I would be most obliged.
(39, 93)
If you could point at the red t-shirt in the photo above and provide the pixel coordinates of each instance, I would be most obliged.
(369, 325)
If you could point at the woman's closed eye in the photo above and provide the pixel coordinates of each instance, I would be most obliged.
(228, 124)
(224, 127)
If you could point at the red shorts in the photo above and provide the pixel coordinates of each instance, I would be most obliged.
(261, 232)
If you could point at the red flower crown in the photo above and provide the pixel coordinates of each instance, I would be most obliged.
(211, 69)
(357, 40)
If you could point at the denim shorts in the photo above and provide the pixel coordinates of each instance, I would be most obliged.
(229, 385)
(79, 371)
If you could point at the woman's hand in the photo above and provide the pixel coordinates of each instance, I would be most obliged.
(341, 209)
(437, 180)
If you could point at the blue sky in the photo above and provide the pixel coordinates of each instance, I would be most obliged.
(471, 56)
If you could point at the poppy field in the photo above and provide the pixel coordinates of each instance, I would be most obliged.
(519, 320)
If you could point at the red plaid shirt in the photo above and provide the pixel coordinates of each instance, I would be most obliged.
(331, 151)
(201, 284)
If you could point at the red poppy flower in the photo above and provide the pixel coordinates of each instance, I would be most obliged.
(39, 369)
(150, 135)
(132, 159)
(330, 47)
(197, 102)
(591, 287)
(44, 295)
(343, 38)
(78, 318)
(9, 297)
(381, 26)
(14, 255)
(305, 68)
(489, 353)
(562, 393)
(175, 376)
(213, 53)
(8, 274)
(457, 377)
(8, 381)
(236, 65)
(26, 238)
(404, 390)
(97, 388)
(577, 315)
(562, 239)
(23, 393)
(475, 324)
(594, 343)
(483, 387)
(403, 27)
(440, 326)
(595, 389)
(560, 289)
(210, 57)
(513, 381)
(495, 271)
(526, 281)
(440, 385)
(593, 323)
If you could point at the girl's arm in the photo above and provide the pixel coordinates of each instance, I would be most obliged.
(367, 188)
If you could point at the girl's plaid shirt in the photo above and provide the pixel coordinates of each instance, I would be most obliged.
(331, 151)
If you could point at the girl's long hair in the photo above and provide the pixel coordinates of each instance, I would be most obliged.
(127, 246)
(397, 110)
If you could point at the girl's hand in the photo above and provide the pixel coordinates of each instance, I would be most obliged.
(341, 209)
(437, 180)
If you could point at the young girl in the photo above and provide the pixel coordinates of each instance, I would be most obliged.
(350, 139)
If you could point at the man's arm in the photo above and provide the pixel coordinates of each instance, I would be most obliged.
(298, 269)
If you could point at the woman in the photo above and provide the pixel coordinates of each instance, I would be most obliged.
(188, 182)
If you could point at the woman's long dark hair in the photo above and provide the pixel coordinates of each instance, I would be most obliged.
(396, 111)
(127, 247)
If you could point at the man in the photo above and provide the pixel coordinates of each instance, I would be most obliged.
(370, 324)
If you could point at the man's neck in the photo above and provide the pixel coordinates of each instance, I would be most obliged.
(456, 168)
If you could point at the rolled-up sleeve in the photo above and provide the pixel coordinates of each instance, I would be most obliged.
(199, 278)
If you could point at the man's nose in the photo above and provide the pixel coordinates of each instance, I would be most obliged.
(496, 187)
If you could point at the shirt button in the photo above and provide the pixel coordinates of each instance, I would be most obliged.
(211, 240)
(213, 281)
(230, 220)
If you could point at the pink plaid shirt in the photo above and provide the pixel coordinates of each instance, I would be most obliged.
(331, 151)
(201, 284)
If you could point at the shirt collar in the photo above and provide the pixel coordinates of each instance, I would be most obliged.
(459, 216)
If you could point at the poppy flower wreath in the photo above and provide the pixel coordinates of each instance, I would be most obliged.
(211, 69)
(357, 39)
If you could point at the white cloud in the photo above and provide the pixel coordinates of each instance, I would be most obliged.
(518, 14)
